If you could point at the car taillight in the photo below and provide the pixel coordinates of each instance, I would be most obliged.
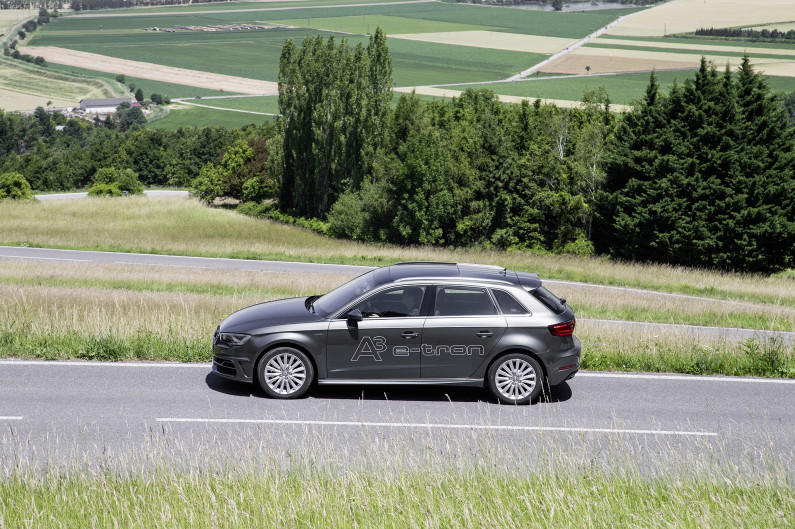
(563, 329)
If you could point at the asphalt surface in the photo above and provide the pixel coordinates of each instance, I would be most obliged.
(78, 256)
(164, 193)
(131, 414)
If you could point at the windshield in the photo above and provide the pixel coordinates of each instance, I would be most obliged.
(341, 296)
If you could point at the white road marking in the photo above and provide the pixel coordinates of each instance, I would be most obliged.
(694, 378)
(440, 426)
(10, 418)
(87, 363)
(580, 374)
(45, 258)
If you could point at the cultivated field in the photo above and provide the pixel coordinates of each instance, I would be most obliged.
(685, 16)
(634, 44)
(155, 72)
(431, 44)
(24, 88)
(434, 43)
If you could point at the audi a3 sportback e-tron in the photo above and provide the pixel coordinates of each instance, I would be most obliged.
(409, 323)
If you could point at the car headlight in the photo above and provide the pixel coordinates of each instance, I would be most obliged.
(234, 339)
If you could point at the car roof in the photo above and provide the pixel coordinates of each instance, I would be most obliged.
(441, 270)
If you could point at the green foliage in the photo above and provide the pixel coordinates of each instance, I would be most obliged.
(104, 190)
(208, 185)
(348, 218)
(334, 102)
(68, 159)
(241, 174)
(13, 186)
(127, 117)
(704, 176)
(268, 211)
(109, 181)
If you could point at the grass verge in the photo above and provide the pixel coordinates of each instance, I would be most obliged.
(185, 227)
(479, 498)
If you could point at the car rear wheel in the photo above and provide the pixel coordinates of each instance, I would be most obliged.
(515, 379)
(285, 373)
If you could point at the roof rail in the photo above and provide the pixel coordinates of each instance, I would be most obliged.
(425, 263)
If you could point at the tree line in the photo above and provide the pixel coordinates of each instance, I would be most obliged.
(69, 158)
(752, 34)
(703, 175)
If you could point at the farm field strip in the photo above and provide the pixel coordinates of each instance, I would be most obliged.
(693, 45)
(12, 100)
(191, 116)
(448, 93)
(268, 105)
(781, 26)
(390, 24)
(255, 112)
(602, 60)
(156, 72)
(685, 16)
(245, 9)
(622, 88)
(673, 56)
(492, 40)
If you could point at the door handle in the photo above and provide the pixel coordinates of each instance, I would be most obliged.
(409, 334)
(485, 334)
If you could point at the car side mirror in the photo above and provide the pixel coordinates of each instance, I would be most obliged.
(354, 316)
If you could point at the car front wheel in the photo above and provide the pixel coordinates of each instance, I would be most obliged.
(285, 373)
(515, 379)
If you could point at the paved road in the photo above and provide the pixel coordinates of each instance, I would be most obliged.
(86, 413)
(148, 192)
(46, 254)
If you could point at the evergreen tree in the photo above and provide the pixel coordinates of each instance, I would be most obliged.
(703, 177)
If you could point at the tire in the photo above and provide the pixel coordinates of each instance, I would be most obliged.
(285, 373)
(516, 378)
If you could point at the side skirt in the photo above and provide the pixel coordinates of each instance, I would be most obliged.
(472, 382)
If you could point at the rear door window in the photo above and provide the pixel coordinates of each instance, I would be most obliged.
(508, 304)
(463, 301)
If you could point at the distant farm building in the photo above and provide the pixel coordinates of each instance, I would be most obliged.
(102, 106)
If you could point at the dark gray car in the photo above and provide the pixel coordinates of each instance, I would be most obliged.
(409, 323)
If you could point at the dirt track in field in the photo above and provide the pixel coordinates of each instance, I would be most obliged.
(154, 72)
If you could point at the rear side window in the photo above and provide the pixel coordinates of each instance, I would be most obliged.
(508, 304)
(463, 301)
(549, 299)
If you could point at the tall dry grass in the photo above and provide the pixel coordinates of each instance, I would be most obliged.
(187, 227)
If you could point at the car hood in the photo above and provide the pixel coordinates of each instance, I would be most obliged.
(271, 313)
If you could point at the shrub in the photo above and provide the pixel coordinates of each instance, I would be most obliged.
(208, 184)
(255, 190)
(13, 186)
(347, 219)
(110, 181)
(127, 180)
(103, 190)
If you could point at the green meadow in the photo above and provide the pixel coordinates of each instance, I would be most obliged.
(622, 89)
(206, 117)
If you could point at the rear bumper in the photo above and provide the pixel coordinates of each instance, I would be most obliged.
(564, 367)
